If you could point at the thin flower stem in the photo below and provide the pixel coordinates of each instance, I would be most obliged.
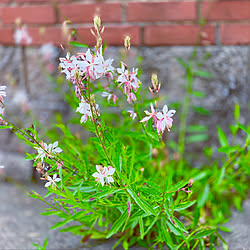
(39, 144)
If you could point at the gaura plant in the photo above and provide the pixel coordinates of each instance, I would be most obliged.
(120, 183)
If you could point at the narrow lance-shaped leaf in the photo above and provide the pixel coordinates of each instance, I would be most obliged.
(118, 224)
(141, 203)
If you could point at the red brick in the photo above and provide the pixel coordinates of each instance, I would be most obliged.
(40, 1)
(6, 36)
(113, 35)
(116, 35)
(226, 10)
(29, 14)
(161, 35)
(84, 13)
(234, 34)
(161, 11)
(46, 35)
(4, 1)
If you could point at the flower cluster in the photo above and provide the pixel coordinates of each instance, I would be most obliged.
(48, 150)
(103, 174)
(162, 120)
(85, 109)
(86, 65)
(90, 65)
(129, 82)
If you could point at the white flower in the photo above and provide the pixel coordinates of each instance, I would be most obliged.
(149, 115)
(164, 119)
(85, 109)
(22, 36)
(70, 65)
(133, 115)
(110, 96)
(48, 150)
(103, 174)
(52, 181)
(2, 92)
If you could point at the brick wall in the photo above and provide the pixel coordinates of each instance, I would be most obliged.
(149, 23)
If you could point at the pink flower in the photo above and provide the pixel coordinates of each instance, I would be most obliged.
(47, 150)
(103, 174)
(133, 115)
(86, 64)
(71, 65)
(2, 93)
(85, 109)
(110, 96)
(129, 81)
(150, 115)
(164, 119)
(59, 164)
(94, 67)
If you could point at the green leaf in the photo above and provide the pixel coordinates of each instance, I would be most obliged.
(182, 63)
(117, 225)
(222, 137)
(196, 138)
(237, 112)
(174, 229)
(177, 186)
(202, 73)
(202, 233)
(61, 223)
(184, 205)
(225, 229)
(201, 110)
(229, 149)
(203, 197)
(77, 44)
(5, 126)
(198, 94)
(242, 127)
(197, 128)
(141, 203)
(221, 175)
(103, 194)
(151, 225)
(141, 227)
(179, 225)
(166, 235)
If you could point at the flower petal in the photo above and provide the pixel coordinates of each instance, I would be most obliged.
(159, 115)
(171, 112)
(165, 109)
(111, 171)
(47, 184)
(109, 179)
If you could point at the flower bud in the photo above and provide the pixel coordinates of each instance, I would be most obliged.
(97, 23)
(127, 42)
(156, 85)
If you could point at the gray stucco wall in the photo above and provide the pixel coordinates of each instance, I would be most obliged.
(230, 67)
